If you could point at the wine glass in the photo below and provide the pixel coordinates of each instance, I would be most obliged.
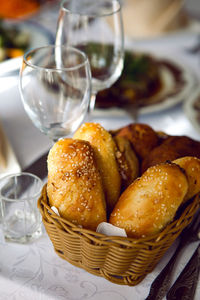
(96, 28)
(55, 87)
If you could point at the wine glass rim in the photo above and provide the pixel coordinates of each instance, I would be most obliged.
(71, 68)
(31, 175)
(90, 14)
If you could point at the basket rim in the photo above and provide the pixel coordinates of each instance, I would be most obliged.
(191, 208)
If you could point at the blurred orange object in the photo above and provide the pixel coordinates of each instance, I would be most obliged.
(14, 52)
(18, 8)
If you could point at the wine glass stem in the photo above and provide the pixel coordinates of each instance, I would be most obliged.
(92, 102)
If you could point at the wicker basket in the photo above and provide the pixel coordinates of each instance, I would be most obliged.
(120, 260)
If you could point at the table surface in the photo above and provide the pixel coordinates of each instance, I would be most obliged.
(34, 271)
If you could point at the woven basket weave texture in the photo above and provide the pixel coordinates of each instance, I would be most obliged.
(120, 260)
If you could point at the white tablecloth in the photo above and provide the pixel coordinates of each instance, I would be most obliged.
(34, 271)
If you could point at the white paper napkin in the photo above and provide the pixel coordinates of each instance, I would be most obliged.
(110, 230)
(103, 227)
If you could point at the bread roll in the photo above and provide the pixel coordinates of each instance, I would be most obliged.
(191, 165)
(159, 155)
(173, 147)
(104, 149)
(127, 161)
(151, 201)
(74, 184)
(142, 137)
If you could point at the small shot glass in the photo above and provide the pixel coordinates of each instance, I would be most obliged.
(20, 217)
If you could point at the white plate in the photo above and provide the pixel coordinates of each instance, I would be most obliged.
(169, 85)
(11, 163)
(193, 114)
(39, 36)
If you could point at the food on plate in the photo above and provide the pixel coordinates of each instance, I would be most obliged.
(13, 41)
(151, 201)
(146, 81)
(140, 79)
(128, 162)
(104, 149)
(74, 183)
(191, 166)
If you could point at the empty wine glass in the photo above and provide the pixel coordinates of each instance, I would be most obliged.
(96, 28)
(55, 87)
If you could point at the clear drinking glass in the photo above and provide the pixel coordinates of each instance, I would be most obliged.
(21, 219)
(96, 28)
(55, 87)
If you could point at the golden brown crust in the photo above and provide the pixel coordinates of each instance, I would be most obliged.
(159, 155)
(162, 136)
(151, 201)
(74, 184)
(86, 172)
(191, 165)
(104, 149)
(173, 147)
(142, 137)
(184, 145)
(127, 161)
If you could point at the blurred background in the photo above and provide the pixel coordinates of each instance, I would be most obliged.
(141, 17)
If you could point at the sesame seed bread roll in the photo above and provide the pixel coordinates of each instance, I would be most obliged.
(105, 149)
(127, 161)
(191, 165)
(151, 201)
(74, 184)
